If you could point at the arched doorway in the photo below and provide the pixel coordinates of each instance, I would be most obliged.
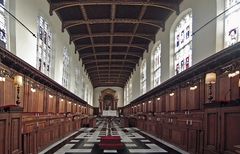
(108, 100)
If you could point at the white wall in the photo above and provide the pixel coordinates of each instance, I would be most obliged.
(23, 44)
(206, 42)
(97, 93)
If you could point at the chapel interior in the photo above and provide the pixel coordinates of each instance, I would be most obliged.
(119, 76)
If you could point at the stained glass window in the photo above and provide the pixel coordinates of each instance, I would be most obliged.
(66, 68)
(232, 24)
(156, 65)
(44, 47)
(130, 89)
(3, 26)
(183, 44)
(78, 80)
(143, 77)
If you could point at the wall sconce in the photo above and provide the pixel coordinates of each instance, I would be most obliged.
(149, 102)
(61, 100)
(193, 87)
(69, 102)
(18, 82)
(3, 75)
(210, 79)
(50, 96)
(33, 89)
(230, 75)
(158, 98)
(171, 94)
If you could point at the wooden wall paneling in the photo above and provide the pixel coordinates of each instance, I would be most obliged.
(162, 103)
(1, 93)
(52, 104)
(230, 126)
(180, 137)
(193, 98)
(167, 106)
(223, 88)
(57, 103)
(74, 108)
(9, 92)
(15, 131)
(202, 94)
(40, 94)
(32, 99)
(184, 98)
(173, 101)
(4, 124)
(45, 99)
(62, 104)
(26, 97)
(157, 105)
(235, 90)
(211, 130)
(193, 141)
(69, 106)
(166, 132)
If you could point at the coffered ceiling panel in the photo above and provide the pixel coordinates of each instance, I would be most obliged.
(110, 36)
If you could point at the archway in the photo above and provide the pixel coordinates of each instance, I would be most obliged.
(108, 100)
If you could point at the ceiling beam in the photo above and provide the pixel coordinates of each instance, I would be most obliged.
(82, 8)
(106, 71)
(134, 54)
(107, 60)
(75, 37)
(70, 23)
(169, 5)
(109, 82)
(109, 85)
(143, 10)
(139, 46)
(114, 75)
(106, 66)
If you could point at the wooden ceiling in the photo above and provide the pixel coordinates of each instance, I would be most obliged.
(112, 35)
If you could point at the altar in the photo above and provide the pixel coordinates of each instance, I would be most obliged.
(109, 113)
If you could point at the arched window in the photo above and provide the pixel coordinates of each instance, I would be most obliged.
(78, 80)
(183, 43)
(156, 65)
(232, 24)
(3, 25)
(125, 95)
(66, 68)
(44, 47)
(143, 77)
(130, 90)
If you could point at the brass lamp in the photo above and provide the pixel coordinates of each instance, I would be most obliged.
(18, 82)
(210, 79)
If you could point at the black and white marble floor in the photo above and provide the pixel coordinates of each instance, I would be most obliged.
(85, 141)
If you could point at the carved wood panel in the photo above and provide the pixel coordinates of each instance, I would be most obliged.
(230, 126)
(211, 130)
(4, 140)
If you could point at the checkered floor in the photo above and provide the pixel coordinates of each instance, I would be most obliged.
(86, 141)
